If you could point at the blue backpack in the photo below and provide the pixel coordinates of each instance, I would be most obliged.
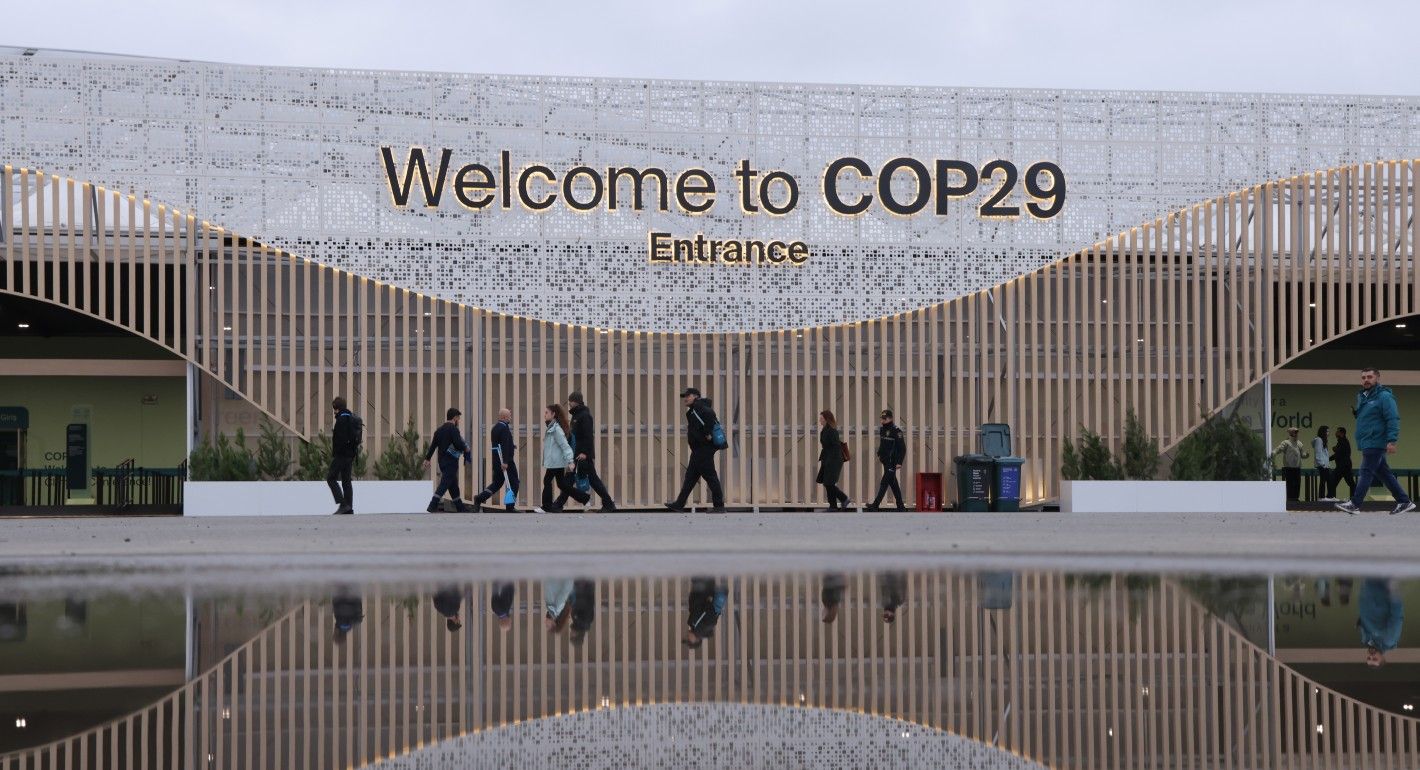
(717, 436)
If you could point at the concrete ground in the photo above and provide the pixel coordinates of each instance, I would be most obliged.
(39, 552)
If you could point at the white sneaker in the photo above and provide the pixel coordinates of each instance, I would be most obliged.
(1402, 508)
(1328, 499)
(1347, 506)
(539, 510)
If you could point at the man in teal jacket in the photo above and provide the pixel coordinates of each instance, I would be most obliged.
(1377, 430)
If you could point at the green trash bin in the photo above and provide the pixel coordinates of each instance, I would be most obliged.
(974, 482)
(1006, 483)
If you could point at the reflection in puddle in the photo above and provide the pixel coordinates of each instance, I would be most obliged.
(991, 669)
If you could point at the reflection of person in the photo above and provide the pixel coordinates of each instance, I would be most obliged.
(831, 595)
(1377, 431)
(1292, 453)
(584, 610)
(348, 610)
(1381, 615)
(557, 603)
(501, 602)
(705, 605)
(448, 601)
(892, 590)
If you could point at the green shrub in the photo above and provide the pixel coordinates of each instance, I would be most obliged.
(1092, 461)
(273, 453)
(1141, 452)
(403, 458)
(1221, 449)
(202, 464)
(235, 461)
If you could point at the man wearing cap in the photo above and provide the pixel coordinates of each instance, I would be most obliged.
(583, 440)
(1292, 452)
(700, 431)
(892, 450)
(704, 605)
(449, 445)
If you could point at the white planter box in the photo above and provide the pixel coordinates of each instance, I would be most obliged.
(1173, 496)
(299, 498)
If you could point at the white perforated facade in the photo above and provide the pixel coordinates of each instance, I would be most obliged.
(291, 157)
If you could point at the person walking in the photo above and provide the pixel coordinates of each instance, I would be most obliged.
(504, 467)
(450, 446)
(1377, 431)
(700, 433)
(345, 438)
(582, 437)
(892, 450)
(704, 606)
(1292, 453)
(831, 454)
(1341, 459)
(584, 610)
(556, 459)
(892, 593)
(1321, 459)
(500, 601)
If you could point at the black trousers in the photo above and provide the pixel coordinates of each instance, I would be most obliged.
(511, 477)
(889, 481)
(338, 479)
(702, 466)
(1293, 477)
(835, 495)
(448, 482)
(1324, 482)
(588, 469)
(1347, 474)
(563, 481)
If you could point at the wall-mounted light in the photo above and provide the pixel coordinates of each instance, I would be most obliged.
(1400, 326)
(226, 328)
(22, 723)
(23, 326)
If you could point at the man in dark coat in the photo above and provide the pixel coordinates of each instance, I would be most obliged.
(700, 423)
(348, 610)
(501, 602)
(449, 445)
(705, 605)
(344, 446)
(448, 601)
(584, 610)
(504, 467)
(584, 446)
(892, 450)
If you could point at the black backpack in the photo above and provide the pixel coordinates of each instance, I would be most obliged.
(358, 426)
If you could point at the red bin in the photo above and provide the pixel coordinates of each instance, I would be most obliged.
(929, 492)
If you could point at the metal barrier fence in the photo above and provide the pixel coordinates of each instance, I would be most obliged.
(33, 486)
(126, 485)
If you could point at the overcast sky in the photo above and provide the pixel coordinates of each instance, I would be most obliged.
(1338, 46)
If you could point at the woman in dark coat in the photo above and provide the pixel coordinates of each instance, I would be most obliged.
(830, 460)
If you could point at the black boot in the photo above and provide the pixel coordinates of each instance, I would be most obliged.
(433, 505)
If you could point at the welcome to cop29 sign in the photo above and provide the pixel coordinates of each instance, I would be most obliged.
(849, 187)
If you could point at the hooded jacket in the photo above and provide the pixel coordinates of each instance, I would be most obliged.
(555, 451)
(1377, 418)
(700, 421)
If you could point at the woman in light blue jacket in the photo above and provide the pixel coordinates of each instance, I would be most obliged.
(556, 456)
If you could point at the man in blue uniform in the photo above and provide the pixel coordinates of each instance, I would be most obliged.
(449, 445)
(504, 468)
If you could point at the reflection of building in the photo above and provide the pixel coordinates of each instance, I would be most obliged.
(1208, 240)
(1073, 673)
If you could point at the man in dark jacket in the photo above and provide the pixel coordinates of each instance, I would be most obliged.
(892, 450)
(705, 605)
(449, 445)
(1377, 431)
(501, 602)
(700, 423)
(448, 601)
(504, 468)
(584, 610)
(347, 609)
(344, 446)
(584, 446)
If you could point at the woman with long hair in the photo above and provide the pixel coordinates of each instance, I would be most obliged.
(556, 455)
(1344, 470)
(830, 460)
